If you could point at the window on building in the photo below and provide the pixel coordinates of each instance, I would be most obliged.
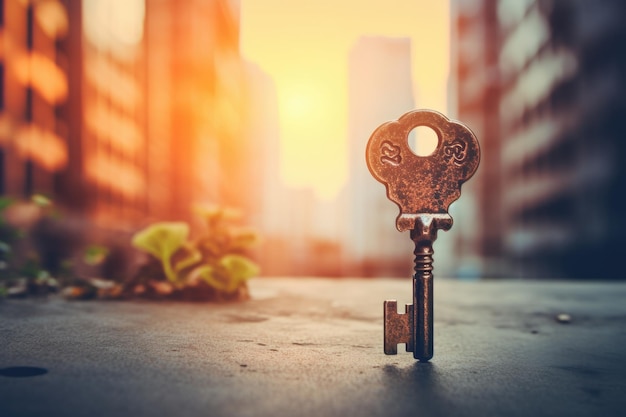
(28, 113)
(2, 179)
(29, 178)
(1, 81)
(30, 26)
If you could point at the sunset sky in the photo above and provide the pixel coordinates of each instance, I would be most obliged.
(303, 45)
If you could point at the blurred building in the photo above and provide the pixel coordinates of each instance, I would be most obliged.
(561, 82)
(33, 93)
(106, 176)
(475, 102)
(195, 110)
(127, 111)
(380, 90)
(267, 199)
(299, 232)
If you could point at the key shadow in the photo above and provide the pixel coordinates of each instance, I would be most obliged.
(415, 390)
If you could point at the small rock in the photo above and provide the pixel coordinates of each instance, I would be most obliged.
(161, 287)
(17, 291)
(563, 318)
(78, 293)
(139, 289)
(101, 284)
(106, 289)
(111, 293)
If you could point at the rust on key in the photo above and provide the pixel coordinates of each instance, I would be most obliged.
(423, 187)
(422, 184)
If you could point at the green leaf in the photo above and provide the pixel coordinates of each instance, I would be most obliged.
(162, 240)
(5, 202)
(191, 257)
(239, 269)
(210, 247)
(95, 254)
(243, 238)
(212, 212)
(211, 277)
(217, 218)
(229, 274)
(41, 200)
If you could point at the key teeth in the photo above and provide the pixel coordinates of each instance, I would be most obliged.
(408, 310)
(390, 310)
(397, 327)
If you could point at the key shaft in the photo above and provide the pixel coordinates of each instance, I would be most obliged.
(423, 235)
(422, 298)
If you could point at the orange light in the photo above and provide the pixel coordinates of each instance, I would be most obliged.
(112, 172)
(304, 46)
(42, 146)
(52, 18)
(43, 75)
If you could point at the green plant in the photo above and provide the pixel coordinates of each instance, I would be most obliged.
(95, 254)
(162, 240)
(216, 258)
(35, 246)
(5, 202)
(8, 236)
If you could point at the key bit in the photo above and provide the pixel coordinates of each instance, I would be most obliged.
(423, 187)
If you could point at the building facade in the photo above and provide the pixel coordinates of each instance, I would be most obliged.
(474, 82)
(124, 111)
(196, 83)
(33, 93)
(560, 78)
(108, 109)
(380, 90)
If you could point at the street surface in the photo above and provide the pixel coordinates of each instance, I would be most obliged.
(313, 347)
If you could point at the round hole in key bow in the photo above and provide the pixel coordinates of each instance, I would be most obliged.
(423, 140)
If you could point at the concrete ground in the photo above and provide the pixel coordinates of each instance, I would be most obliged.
(313, 347)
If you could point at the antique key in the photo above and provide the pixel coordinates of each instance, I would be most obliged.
(423, 187)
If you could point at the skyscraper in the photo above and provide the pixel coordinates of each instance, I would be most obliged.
(474, 82)
(127, 111)
(195, 81)
(380, 90)
(108, 100)
(33, 92)
(550, 110)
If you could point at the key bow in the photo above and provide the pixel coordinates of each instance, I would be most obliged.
(422, 184)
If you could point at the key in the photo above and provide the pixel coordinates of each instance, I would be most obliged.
(423, 187)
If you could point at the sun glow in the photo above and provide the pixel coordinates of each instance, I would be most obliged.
(303, 45)
(299, 105)
(309, 118)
